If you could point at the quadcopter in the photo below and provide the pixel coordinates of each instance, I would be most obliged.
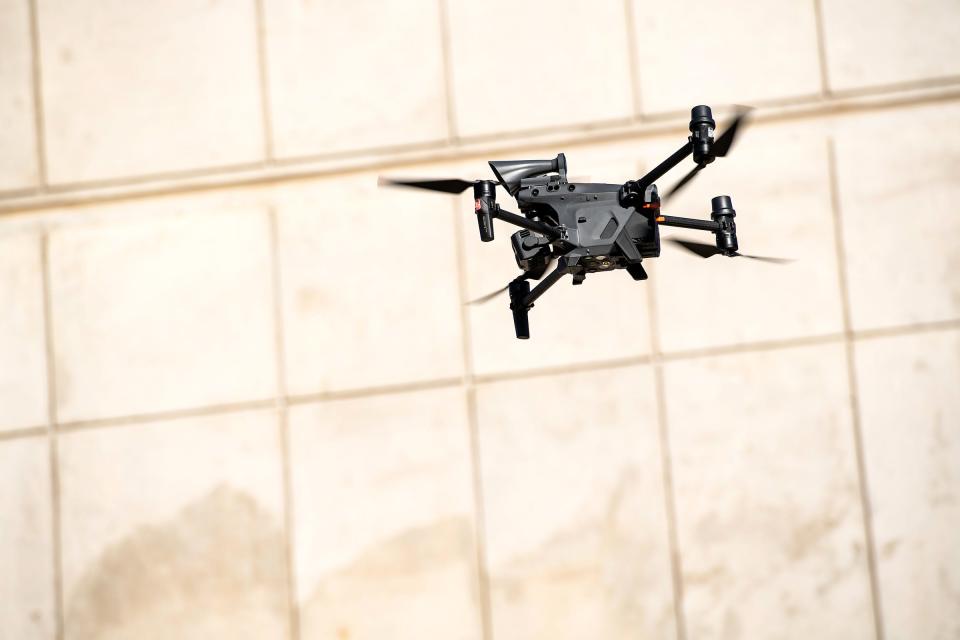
(593, 227)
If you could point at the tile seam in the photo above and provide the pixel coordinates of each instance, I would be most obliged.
(857, 427)
(280, 171)
(263, 76)
(822, 48)
(480, 380)
(283, 419)
(473, 427)
(453, 134)
(53, 438)
(666, 464)
(36, 71)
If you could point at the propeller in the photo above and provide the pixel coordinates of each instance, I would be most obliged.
(493, 294)
(490, 296)
(444, 185)
(708, 250)
(721, 147)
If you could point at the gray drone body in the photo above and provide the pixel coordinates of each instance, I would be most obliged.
(592, 227)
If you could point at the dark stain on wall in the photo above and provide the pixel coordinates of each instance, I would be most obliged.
(215, 570)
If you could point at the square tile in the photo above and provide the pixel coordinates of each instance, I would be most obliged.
(690, 53)
(370, 285)
(577, 540)
(520, 65)
(26, 541)
(778, 178)
(769, 516)
(898, 193)
(910, 411)
(169, 307)
(354, 75)
(133, 88)
(175, 529)
(605, 318)
(870, 42)
(18, 162)
(23, 368)
(383, 504)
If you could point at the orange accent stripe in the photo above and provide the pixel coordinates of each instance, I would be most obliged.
(660, 218)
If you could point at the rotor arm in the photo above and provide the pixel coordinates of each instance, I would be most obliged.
(658, 171)
(721, 224)
(689, 223)
(525, 223)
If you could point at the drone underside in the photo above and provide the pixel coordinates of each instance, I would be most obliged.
(591, 227)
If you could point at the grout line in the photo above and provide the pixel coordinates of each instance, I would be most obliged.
(40, 130)
(893, 88)
(473, 425)
(283, 414)
(453, 133)
(822, 49)
(166, 415)
(925, 327)
(54, 459)
(407, 156)
(264, 79)
(366, 392)
(666, 460)
(483, 571)
(849, 349)
(479, 380)
(544, 372)
(23, 432)
(632, 65)
(751, 347)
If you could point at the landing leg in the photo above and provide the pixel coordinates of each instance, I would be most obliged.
(522, 298)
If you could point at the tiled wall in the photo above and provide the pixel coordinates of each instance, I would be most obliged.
(241, 397)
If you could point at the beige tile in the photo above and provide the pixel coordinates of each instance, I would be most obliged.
(370, 285)
(174, 529)
(354, 75)
(520, 65)
(605, 318)
(779, 182)
(577, 540)
(690, 53)
(26, 548)
(769, 515)
(898, 186)
(23, 378)
(871, 43)
(910, 412)
(133, 88)
(18, 161)
(169, 309)
(384, 517)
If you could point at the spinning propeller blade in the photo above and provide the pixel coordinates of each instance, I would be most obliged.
(493, 294)
(708, 250)
(721, 146)
(490, 296)
(444, 185)
(687, 178)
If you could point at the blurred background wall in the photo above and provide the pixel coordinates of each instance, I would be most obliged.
(241, 397)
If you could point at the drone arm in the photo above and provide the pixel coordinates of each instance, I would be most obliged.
(658, 171)
(526, 223)
(545, 284)
(631, 193)
(689, 223)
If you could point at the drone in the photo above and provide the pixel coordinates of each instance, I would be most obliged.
(592, 227)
